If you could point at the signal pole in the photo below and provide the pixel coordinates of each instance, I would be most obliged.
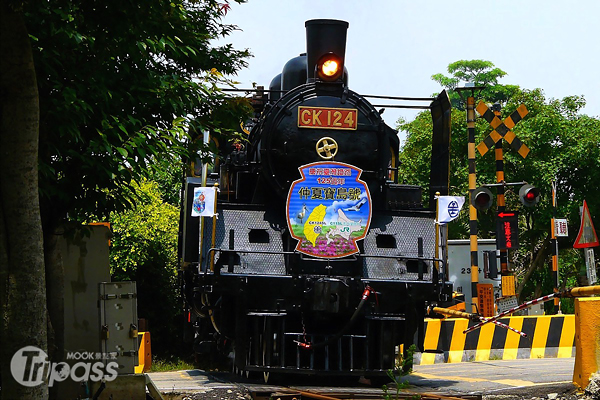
(507, 279)
(554, 242)
(472, 210)
(502, 130)
(472, 184)
(501, 204)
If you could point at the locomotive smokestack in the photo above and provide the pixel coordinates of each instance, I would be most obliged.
(325, 48)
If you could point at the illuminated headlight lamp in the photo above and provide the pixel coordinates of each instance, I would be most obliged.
(329, 67)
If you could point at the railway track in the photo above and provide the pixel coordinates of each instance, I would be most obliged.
(527, 378)
(351, 394)
(242, 392)
(222, 387)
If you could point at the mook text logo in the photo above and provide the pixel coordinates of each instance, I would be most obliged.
(30, 367)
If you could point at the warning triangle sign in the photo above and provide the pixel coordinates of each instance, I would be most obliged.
(587, 235)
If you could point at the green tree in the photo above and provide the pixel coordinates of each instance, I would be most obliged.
(119, 85)
(480, 73)
(22, 285)
(564, 145)
(169, 175)
(113, 78)
(144, 249)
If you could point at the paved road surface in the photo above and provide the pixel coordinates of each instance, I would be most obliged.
(485, 377)
(490, 376)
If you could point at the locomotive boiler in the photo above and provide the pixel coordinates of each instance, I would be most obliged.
(319, 261)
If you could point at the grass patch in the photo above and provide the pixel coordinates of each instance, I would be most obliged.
(170, 364)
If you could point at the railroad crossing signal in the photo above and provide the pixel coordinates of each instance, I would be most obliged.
(502, 129)
(481, 198)
(529, 195)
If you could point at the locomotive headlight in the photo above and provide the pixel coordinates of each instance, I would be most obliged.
(329, 67)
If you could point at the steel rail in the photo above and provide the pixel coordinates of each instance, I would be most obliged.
(403, 394)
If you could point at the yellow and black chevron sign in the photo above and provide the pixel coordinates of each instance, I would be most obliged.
(548, 336)
(502, 129)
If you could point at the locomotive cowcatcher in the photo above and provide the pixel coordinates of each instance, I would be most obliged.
(319, 261)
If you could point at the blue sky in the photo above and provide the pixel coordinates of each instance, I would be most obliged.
(394, 47)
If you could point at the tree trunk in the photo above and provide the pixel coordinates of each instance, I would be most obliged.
(24, 301)
(55, 294)
(538, 262)
(3, 294)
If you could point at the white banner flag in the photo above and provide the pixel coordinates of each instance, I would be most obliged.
(449, 208)
(204, 202)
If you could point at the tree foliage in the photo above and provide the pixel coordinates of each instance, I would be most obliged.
(565, 147)
(124, 90)
(146, 233)
(120, 85)
(480, 73)
(144, 249)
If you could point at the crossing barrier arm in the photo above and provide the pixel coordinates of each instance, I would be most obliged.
(454, 313)
(575, 292)
(472, 317)
(581, 291)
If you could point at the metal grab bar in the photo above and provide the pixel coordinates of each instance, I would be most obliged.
(397, 257)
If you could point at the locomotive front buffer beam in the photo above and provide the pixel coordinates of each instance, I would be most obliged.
(317, 324)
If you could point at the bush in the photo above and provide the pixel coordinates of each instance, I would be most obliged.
(144, 249)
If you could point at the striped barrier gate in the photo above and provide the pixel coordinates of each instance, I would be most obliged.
(548, 336)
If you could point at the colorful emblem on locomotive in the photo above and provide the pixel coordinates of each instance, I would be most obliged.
(328, 209)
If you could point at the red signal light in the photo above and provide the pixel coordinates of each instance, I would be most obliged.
(481, 198)
(529, 195)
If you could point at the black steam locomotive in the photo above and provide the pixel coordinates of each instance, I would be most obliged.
(318, 261)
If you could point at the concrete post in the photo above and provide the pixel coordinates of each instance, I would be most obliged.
(587, 339)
